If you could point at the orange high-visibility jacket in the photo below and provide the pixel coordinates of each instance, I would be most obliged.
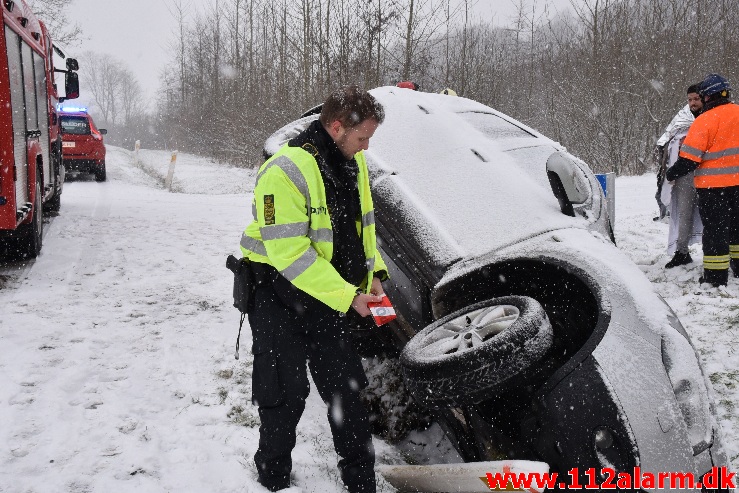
(713, 141)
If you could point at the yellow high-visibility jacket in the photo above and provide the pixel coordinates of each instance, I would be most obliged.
(292, 229)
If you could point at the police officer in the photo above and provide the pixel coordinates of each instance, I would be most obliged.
(711, 148)
(314, 255)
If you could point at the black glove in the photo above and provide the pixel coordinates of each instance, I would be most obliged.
(682, 167)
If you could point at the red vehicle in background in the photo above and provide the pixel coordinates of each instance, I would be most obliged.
(82, 143)
(31, 168)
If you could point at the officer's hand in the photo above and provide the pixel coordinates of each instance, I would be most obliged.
(376, 288)
(360, 302)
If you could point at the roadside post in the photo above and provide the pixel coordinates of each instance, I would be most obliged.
(136, 148)
(608, 184)
(170, 172)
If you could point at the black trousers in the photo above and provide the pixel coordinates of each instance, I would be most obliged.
(719, 210)
(284, 340)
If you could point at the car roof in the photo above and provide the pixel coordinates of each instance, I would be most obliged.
(475, 183)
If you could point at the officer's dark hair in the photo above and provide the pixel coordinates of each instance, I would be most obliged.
(351, 106)
(694, 88)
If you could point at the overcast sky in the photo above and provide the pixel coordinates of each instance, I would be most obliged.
(139, 32)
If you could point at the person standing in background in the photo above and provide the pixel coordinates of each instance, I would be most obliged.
(686, 227)
(682, 118)
(711, 149)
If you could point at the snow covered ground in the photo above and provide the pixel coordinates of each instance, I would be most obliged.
(117, 343)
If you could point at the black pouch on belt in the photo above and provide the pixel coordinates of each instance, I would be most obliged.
(243, 291)
(243, 283)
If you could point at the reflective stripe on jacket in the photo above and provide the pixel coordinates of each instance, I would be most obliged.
(713, 141)
(292, 228)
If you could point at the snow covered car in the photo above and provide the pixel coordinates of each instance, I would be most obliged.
(522, 325)
(82, 143)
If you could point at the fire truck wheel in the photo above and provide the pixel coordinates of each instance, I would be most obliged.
(30, 235)
(459, 359)
(55, 202)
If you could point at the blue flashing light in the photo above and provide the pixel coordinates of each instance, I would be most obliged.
(72, 109)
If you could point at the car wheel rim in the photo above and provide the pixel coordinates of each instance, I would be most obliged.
(469, 331)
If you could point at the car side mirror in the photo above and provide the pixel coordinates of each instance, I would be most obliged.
(567, 181)
(102, 131)
(71, 85)
(72, 64)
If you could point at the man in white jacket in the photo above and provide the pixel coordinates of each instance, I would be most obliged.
(680, 196)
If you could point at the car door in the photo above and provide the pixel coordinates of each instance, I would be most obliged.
(413, 271)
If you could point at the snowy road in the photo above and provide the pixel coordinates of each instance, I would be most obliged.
(117, 364)
(111, 341)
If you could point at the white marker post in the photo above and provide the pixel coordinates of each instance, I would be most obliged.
(136, 148)
(170, 172)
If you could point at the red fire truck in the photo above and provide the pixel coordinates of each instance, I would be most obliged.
(31, 169)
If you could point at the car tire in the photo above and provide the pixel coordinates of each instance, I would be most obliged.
(459, 359)
(100, 174)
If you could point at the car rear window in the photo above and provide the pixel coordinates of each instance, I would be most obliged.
(75, 125)
(493, 126)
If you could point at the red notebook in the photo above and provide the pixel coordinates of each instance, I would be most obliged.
(383, 311)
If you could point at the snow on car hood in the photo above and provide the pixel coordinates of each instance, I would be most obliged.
(463, 181)
(456, 168)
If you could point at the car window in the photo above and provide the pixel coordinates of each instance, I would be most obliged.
(534, 161)
(493, 126)
(75, 125)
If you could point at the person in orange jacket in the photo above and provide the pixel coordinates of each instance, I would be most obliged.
(711, 148)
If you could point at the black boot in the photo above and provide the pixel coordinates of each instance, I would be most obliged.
(679, 259)
(735, 266)
(715, 278)
(274, 485)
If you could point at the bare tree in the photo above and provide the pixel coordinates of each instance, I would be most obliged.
(116, 93)
(178, 9)
(132, 103)
(422, 20)
(100, 74)
(603, 79)
(54, 14)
